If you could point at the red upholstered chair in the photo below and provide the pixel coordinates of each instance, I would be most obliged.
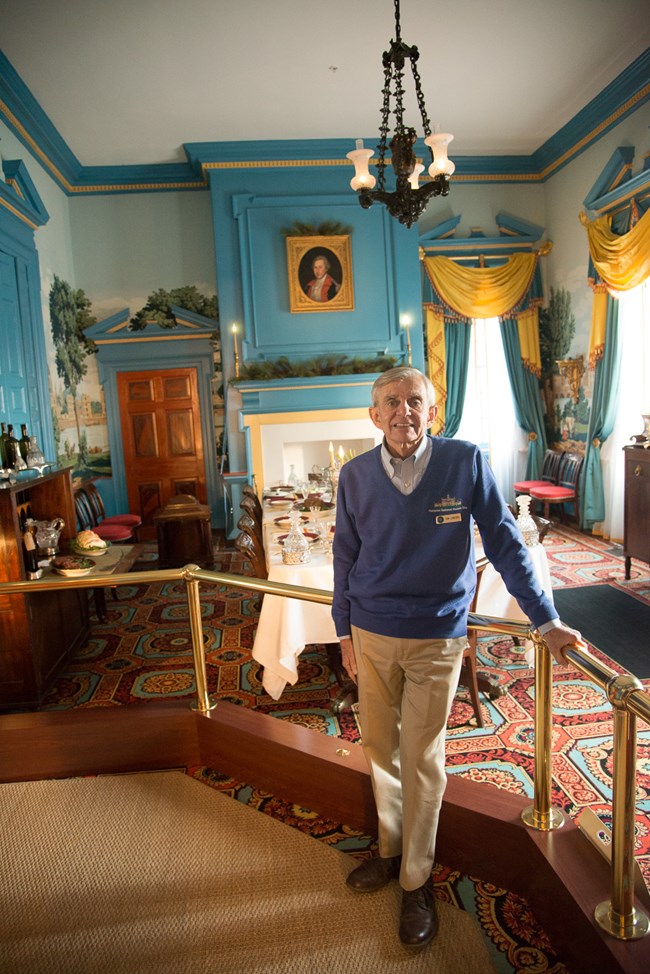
(565, 492)
(132, 521)
(86, 521)
(549, 475)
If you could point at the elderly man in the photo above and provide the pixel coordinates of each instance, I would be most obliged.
(404, 576)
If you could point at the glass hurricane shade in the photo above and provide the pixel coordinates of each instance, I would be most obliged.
(437, 143)
(441, 164)
(362, 178)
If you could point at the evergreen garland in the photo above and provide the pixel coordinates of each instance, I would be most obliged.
(329, 228)
(283, 368)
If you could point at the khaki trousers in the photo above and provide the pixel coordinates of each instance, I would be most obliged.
(406, 688)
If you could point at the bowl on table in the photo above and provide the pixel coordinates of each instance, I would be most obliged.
(72, 566)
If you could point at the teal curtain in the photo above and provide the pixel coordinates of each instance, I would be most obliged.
(457, 342)
(527, 400)
(601, 421)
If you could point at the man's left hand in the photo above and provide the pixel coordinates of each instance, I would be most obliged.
(561, 637)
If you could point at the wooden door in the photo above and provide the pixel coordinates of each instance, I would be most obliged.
(161, 436)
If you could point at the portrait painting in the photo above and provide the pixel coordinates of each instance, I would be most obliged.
(320, 274)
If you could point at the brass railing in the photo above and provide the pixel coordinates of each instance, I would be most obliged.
(618, 915)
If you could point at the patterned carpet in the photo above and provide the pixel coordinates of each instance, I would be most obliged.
(142, 653)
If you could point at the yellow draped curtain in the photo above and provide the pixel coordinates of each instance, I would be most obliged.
(480, 292)
(437, 359)
(622, 263)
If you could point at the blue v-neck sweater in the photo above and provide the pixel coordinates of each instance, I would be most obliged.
(404, 564)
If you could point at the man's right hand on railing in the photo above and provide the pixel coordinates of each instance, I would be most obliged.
(561, 637)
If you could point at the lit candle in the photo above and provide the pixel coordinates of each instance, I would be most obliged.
(331, 455)
(405, 322)
(234, 330)
(341, 453)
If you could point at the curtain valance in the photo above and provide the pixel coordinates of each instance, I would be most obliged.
(482, 292)
(622, 262)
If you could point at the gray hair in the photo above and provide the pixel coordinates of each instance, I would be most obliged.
(323, 258)
(398, 374)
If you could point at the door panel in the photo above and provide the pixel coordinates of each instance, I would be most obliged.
(161, 435)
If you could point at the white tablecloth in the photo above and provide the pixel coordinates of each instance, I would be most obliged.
(286, 626)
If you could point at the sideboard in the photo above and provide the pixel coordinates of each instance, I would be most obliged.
(636, 524)
(38, 632)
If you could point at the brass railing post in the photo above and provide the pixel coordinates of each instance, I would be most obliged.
(540, 815)
(618, 916)
(204, 705)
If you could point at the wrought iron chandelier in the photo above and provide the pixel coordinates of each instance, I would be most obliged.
(408, 201)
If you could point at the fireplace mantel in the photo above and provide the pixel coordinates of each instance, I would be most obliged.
(278, 414)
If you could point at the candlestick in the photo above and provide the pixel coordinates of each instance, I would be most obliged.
(236, 353)
(405, 322)
(331, 455)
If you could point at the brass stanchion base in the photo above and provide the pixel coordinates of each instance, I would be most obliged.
(631, 927)
(542, 822)
(212, 701)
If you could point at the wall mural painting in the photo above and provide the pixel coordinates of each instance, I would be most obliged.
(566, 405)
(320, 273)
(76, 396)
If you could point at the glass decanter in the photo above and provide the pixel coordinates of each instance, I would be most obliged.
(525, 521)
(35, 457)
(295, 550)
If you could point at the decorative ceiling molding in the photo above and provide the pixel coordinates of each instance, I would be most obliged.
(24, 116)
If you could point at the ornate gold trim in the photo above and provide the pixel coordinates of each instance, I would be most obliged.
(21, 216)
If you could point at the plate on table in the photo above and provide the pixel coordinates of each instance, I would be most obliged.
(311, 536)
(89, 552)
(283, 503)
(285, 520)
(72, 566)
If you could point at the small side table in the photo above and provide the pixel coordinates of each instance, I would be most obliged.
(184, 533)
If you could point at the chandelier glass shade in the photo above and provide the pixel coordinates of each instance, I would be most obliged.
(408, 200)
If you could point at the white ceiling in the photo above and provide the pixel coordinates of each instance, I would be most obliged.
(130, 81)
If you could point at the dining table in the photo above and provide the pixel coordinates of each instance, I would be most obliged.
(286, 625)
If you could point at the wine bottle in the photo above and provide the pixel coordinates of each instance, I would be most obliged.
(23, 442)
(31, 556)
(12, 447)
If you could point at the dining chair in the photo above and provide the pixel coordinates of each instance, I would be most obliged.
(468, 675)
(253, 508)
(249, 491)
(566, 490)
(132, 521)
(549, 473)
(254, 552)
(251, 526)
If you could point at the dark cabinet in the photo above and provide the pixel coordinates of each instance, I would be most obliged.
(637, 505)
(38, 631)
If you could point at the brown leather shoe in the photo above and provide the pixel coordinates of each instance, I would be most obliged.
(419, 920)
(373, 874)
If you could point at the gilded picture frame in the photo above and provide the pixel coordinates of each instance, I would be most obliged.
(320, 274)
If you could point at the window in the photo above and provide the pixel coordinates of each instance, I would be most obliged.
(488, 413)
(634, 400)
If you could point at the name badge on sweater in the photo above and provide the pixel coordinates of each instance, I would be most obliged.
(448, 510)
